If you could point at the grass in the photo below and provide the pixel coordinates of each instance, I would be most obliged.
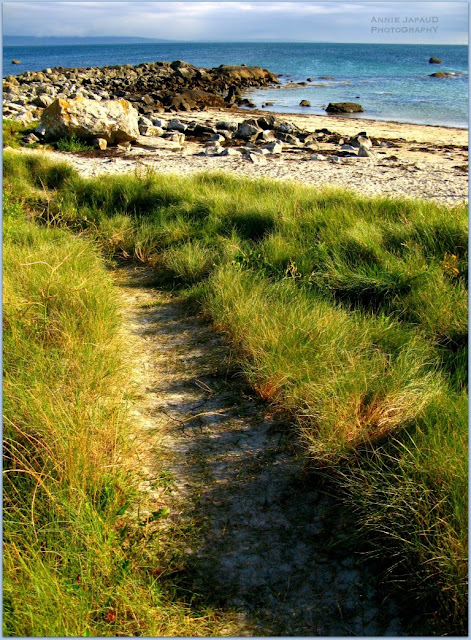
(76, 562)
(14, 132)
(72, 144)
(349, 312)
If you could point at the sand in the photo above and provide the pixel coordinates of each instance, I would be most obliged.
(415, 160)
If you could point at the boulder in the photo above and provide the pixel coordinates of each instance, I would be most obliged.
(15, 62)
(364, 152)
(266, 122)
(344, 107)
(435, 61)
(274, 147)
(286, 127)
(115, 121)
(361, 141)
(304, 103)
(100, 143)
(266, 136)
(247, 130)
(226, 126)
(176, 125)
(441, 74)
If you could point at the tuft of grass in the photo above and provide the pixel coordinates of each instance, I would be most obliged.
(72, 144)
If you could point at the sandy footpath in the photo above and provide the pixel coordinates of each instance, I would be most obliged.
(414, 160)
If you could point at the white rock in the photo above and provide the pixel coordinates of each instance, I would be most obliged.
(145, 121)
(155, 132)
(158, 122)
(114, 120)
(318, 156)
(230, 151)
(176, 125)
(364, 152)
(215, 150)
(256, 158)
(274, 147)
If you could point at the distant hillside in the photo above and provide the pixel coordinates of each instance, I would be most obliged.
(31, 41)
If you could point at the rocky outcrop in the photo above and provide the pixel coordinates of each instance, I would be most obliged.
(344, 107)
(304, 103)
(150, 87)
(115, 121)
(435, 61)
(442, 74)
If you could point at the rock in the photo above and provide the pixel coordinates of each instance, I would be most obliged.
(158, 122)
(114, 120)
(176, 125)
(435, 61)
(344, 107)
(40, 130)
(15, 62)
(317, 156)
(214, 150)
(364, 152)
(100, 143)
(144, 122)
(441, 74)
(233, 96)
(216, 137)
(334, 160)
(349, 147)
(246, 130)
(176, 137)
(286, 127)
(274, 147)
(30, 138)
(245, 102)
(155, 132)
(361, 141)
(256, 158)
(269, 104)
(226, 126)
(309, 79)
(230, 151)
(43, 100)
(266, 136)
(304, 103)
(266, 122)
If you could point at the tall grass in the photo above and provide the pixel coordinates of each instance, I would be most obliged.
(75, 563)
(350, 312)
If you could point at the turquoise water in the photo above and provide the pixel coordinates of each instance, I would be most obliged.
(390, 81)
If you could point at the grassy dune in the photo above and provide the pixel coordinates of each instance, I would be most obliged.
(349, 312)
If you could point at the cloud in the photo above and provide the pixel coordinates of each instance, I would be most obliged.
(229, 21)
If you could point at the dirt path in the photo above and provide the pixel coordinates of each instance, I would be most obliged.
(261, 545)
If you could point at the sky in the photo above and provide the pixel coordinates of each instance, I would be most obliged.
(297, 21)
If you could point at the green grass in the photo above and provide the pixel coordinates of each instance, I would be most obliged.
(72, 144)
(75, 562)
(14, 132)
(349, 312)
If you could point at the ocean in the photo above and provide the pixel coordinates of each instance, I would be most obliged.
(391, 82)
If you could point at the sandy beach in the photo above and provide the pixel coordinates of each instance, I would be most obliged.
(414, 160)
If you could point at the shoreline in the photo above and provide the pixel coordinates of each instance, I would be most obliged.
(413, 161)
